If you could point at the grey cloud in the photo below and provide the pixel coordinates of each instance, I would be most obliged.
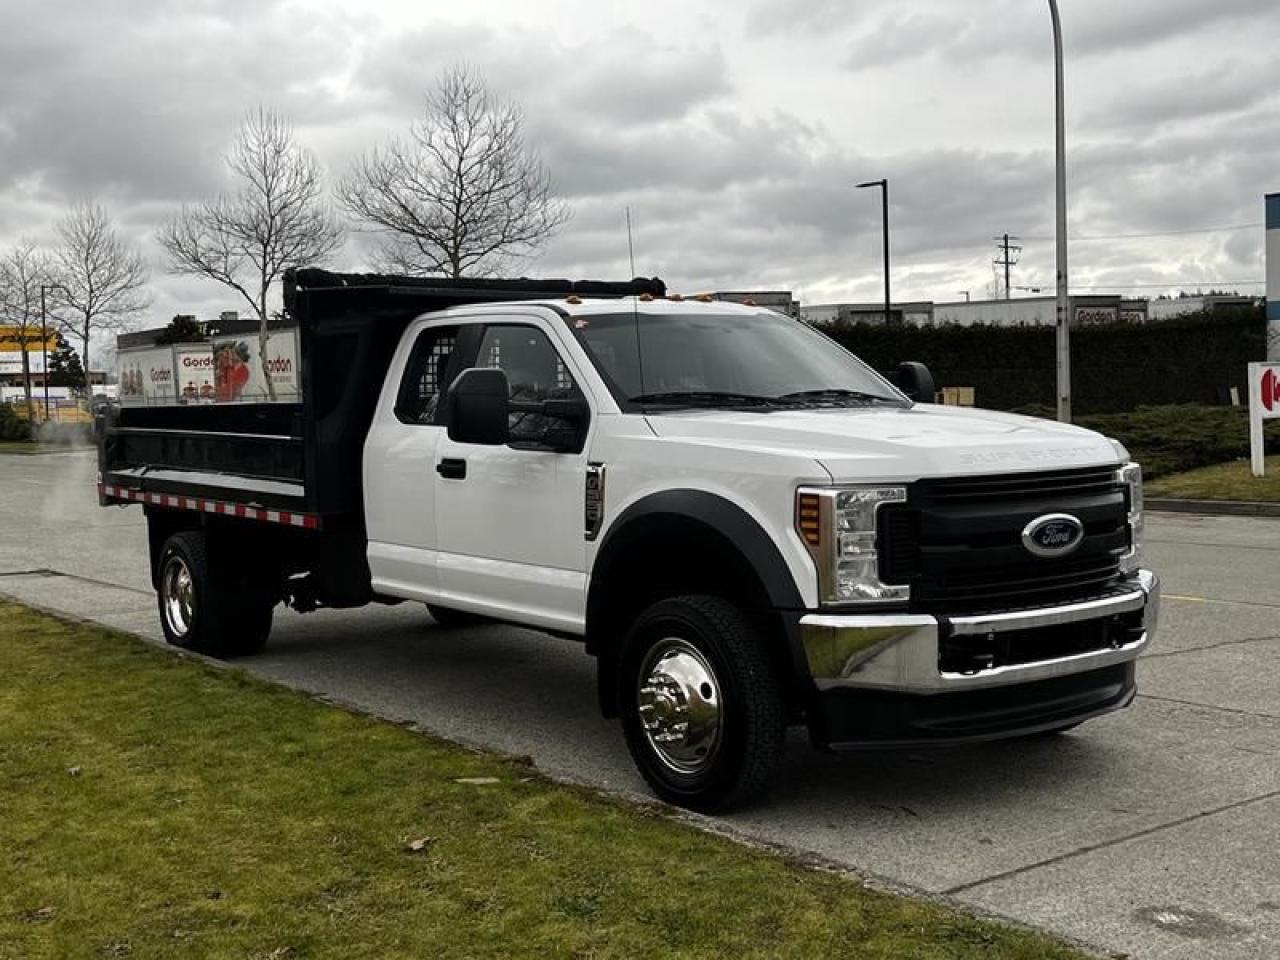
(1103, 26)
(622, 78)
(1011, 29)
(812, 16)
(116, 101)
(724, 191)
(665, 84)
(897, 38)
(1229, 87)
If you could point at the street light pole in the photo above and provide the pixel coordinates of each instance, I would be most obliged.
(884, 221)
(1064, 302)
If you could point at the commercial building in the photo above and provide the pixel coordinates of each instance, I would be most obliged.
(1085, 310)
(844, 314)
(13, 341)
(782, 301)
(1211, 303)
(1021, 312)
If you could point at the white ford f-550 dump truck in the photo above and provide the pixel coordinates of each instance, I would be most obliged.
(746, 526)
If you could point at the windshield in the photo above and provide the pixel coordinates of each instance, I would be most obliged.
(725, 359)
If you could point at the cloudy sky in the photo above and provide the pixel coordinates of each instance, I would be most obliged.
(734, 129)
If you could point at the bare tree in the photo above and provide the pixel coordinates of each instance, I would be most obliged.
(276, 217)
(463, 192)
(101, 277)
(24, 270)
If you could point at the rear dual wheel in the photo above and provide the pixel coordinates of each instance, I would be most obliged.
(197, 613)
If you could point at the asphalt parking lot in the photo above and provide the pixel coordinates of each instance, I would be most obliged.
(1153, 832)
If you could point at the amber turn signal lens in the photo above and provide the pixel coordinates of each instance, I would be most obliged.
(809, 519)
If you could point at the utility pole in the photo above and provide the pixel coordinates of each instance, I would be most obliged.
(1009, 249)
(1064, 302)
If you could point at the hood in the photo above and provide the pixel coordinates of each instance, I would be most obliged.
(878, 444)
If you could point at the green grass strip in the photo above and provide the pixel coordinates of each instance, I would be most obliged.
(153, 806)
(1225, 481)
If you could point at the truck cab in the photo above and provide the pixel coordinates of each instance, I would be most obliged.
(747, 527)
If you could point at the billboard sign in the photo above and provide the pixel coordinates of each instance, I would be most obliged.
(1093, 316)
(227, 370)
(193, 366)
(239, 374)
(146, 377)
(11, 361)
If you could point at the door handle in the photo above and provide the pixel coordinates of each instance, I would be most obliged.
(452, 468)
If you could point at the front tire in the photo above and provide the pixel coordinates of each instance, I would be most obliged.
(197, 614)
(702, 708)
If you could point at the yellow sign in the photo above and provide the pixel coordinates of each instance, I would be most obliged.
(13, 339)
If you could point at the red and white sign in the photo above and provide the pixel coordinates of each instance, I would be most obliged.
(193, 366)
(1264, 404)
(228, 370)
(238, 370)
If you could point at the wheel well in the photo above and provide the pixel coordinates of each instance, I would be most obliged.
(667, 555)
(246, 554)
(161, 525)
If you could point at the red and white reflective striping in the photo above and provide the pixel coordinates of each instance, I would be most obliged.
(222, 507)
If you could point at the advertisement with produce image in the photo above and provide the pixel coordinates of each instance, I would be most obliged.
(238, 373)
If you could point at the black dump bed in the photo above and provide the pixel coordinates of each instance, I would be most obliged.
(301, 458)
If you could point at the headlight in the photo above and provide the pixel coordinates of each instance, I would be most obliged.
(838, 525)
(1130, 476)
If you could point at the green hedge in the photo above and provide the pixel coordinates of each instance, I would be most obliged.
(1173, 439)
(12, 427)
(1114, 368)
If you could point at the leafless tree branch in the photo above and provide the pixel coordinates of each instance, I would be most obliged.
(24, 269)
(463, 192)
(101, 278)
(275, 218)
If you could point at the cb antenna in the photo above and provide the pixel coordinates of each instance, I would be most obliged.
(635, 305)
(631, 247)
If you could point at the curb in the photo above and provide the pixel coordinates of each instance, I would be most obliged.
(1216, 508)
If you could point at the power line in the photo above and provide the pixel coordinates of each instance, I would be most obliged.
(1167, 283)
(1162, 233)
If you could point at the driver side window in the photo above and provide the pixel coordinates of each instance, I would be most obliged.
(535, 372)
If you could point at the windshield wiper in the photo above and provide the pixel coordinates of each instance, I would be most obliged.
(696, 398)
(802, 396)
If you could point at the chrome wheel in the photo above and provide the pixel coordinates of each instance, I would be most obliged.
(679, 705)
(178, 593)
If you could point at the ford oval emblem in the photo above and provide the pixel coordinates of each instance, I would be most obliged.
(1053, 535)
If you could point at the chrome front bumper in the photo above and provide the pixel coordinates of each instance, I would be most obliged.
(900, 652)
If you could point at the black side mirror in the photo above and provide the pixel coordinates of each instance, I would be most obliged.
(476, 407)
(915, 380)
(573, 409)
